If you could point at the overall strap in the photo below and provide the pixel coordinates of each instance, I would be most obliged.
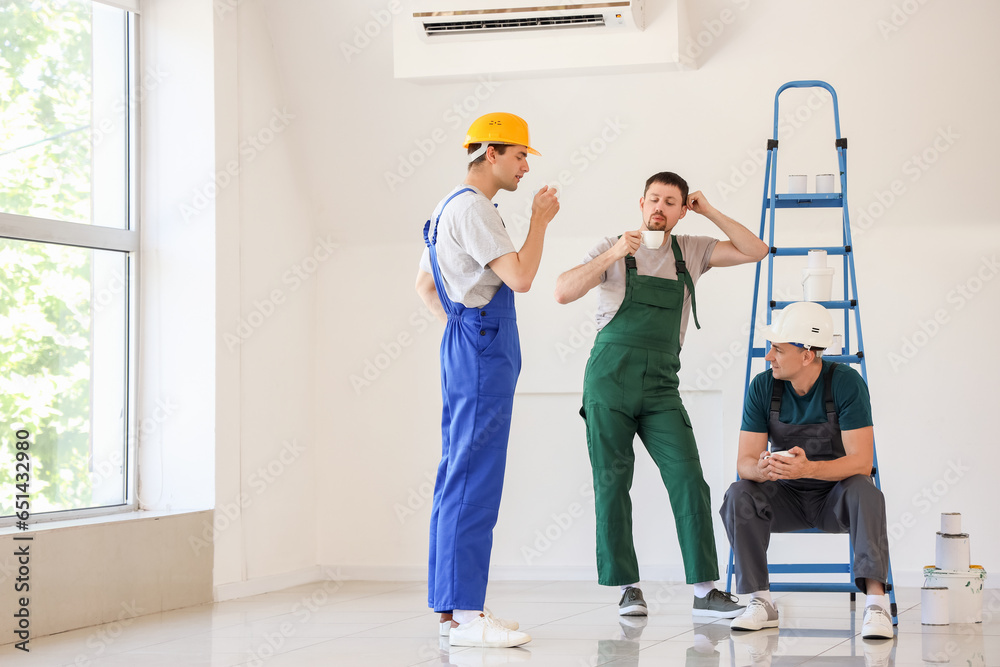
(427, 225)
(776, 391)
(828, 389)
(829, 404)
(683, 274)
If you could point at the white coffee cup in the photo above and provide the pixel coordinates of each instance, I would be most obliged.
(652, 239)
(783, 453)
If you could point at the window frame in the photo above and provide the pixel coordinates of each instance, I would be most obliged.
(92, 236)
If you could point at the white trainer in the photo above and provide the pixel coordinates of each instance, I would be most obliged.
(487, 632)
(510, 625)
(877, 624)
(758, 614)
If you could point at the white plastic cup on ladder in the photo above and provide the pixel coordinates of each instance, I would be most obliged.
(824, 182)
(817, 259)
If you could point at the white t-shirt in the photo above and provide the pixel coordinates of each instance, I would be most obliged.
(471, 234)
(697, 251)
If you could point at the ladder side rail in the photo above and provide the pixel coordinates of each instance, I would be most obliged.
(809, 84)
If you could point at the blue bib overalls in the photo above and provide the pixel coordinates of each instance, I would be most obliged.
(480, 362)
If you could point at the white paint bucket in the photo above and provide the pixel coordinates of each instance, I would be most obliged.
(796, 184)
(965, 592)
(817, 284)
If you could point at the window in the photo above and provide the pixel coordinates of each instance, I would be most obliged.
(68, 254)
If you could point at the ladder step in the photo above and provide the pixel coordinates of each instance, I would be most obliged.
(801, 568)
(812, 587)
(845, 358)
(826, 304)
(803, 251)
(760, 352)
(813, 200)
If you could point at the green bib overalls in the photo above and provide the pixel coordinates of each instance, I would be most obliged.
(630, 387)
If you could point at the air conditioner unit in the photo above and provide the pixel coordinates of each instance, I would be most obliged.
(437, 40)
(450, 19)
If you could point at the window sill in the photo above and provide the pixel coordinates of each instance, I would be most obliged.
(136, 515)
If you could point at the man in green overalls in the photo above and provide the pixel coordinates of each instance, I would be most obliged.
(631, 386)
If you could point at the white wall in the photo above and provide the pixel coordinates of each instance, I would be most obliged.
(268, 254)
(374, 446)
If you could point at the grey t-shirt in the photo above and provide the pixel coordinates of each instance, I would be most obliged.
(471, 234)
(697, 251)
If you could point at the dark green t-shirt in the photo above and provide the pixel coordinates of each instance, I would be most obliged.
(850, 394)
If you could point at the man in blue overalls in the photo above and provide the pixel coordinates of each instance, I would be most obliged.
(468, 276)
(631, 385)
(818, 418)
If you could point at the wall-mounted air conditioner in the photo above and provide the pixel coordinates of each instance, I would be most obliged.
(448, 39)
(450, 19)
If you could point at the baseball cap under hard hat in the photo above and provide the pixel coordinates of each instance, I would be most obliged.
(498, 128)
(803, 323)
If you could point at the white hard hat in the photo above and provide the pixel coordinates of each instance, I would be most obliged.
(803, 323)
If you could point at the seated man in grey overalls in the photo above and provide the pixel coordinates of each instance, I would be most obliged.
(818, 417)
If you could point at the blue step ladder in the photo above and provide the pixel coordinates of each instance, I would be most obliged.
(848, 305)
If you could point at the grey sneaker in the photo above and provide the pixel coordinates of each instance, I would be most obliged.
(758, 614)
(632, 603)
(717, 604)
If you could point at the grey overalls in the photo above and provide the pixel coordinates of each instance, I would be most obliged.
(752, 511)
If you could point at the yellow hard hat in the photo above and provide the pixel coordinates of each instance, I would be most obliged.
(499, 128)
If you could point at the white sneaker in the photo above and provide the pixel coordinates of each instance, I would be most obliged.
(510, 625)
(487, 632)
(758, 614)
(877, 624)
(760, 645)
(878, 654)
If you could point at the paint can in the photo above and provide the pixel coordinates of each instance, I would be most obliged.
(951, 552)
(965, 592)
(934, 605)
(951, 523)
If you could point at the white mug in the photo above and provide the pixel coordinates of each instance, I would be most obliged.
(652, 239)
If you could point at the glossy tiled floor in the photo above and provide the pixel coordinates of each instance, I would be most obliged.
(576, 624)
